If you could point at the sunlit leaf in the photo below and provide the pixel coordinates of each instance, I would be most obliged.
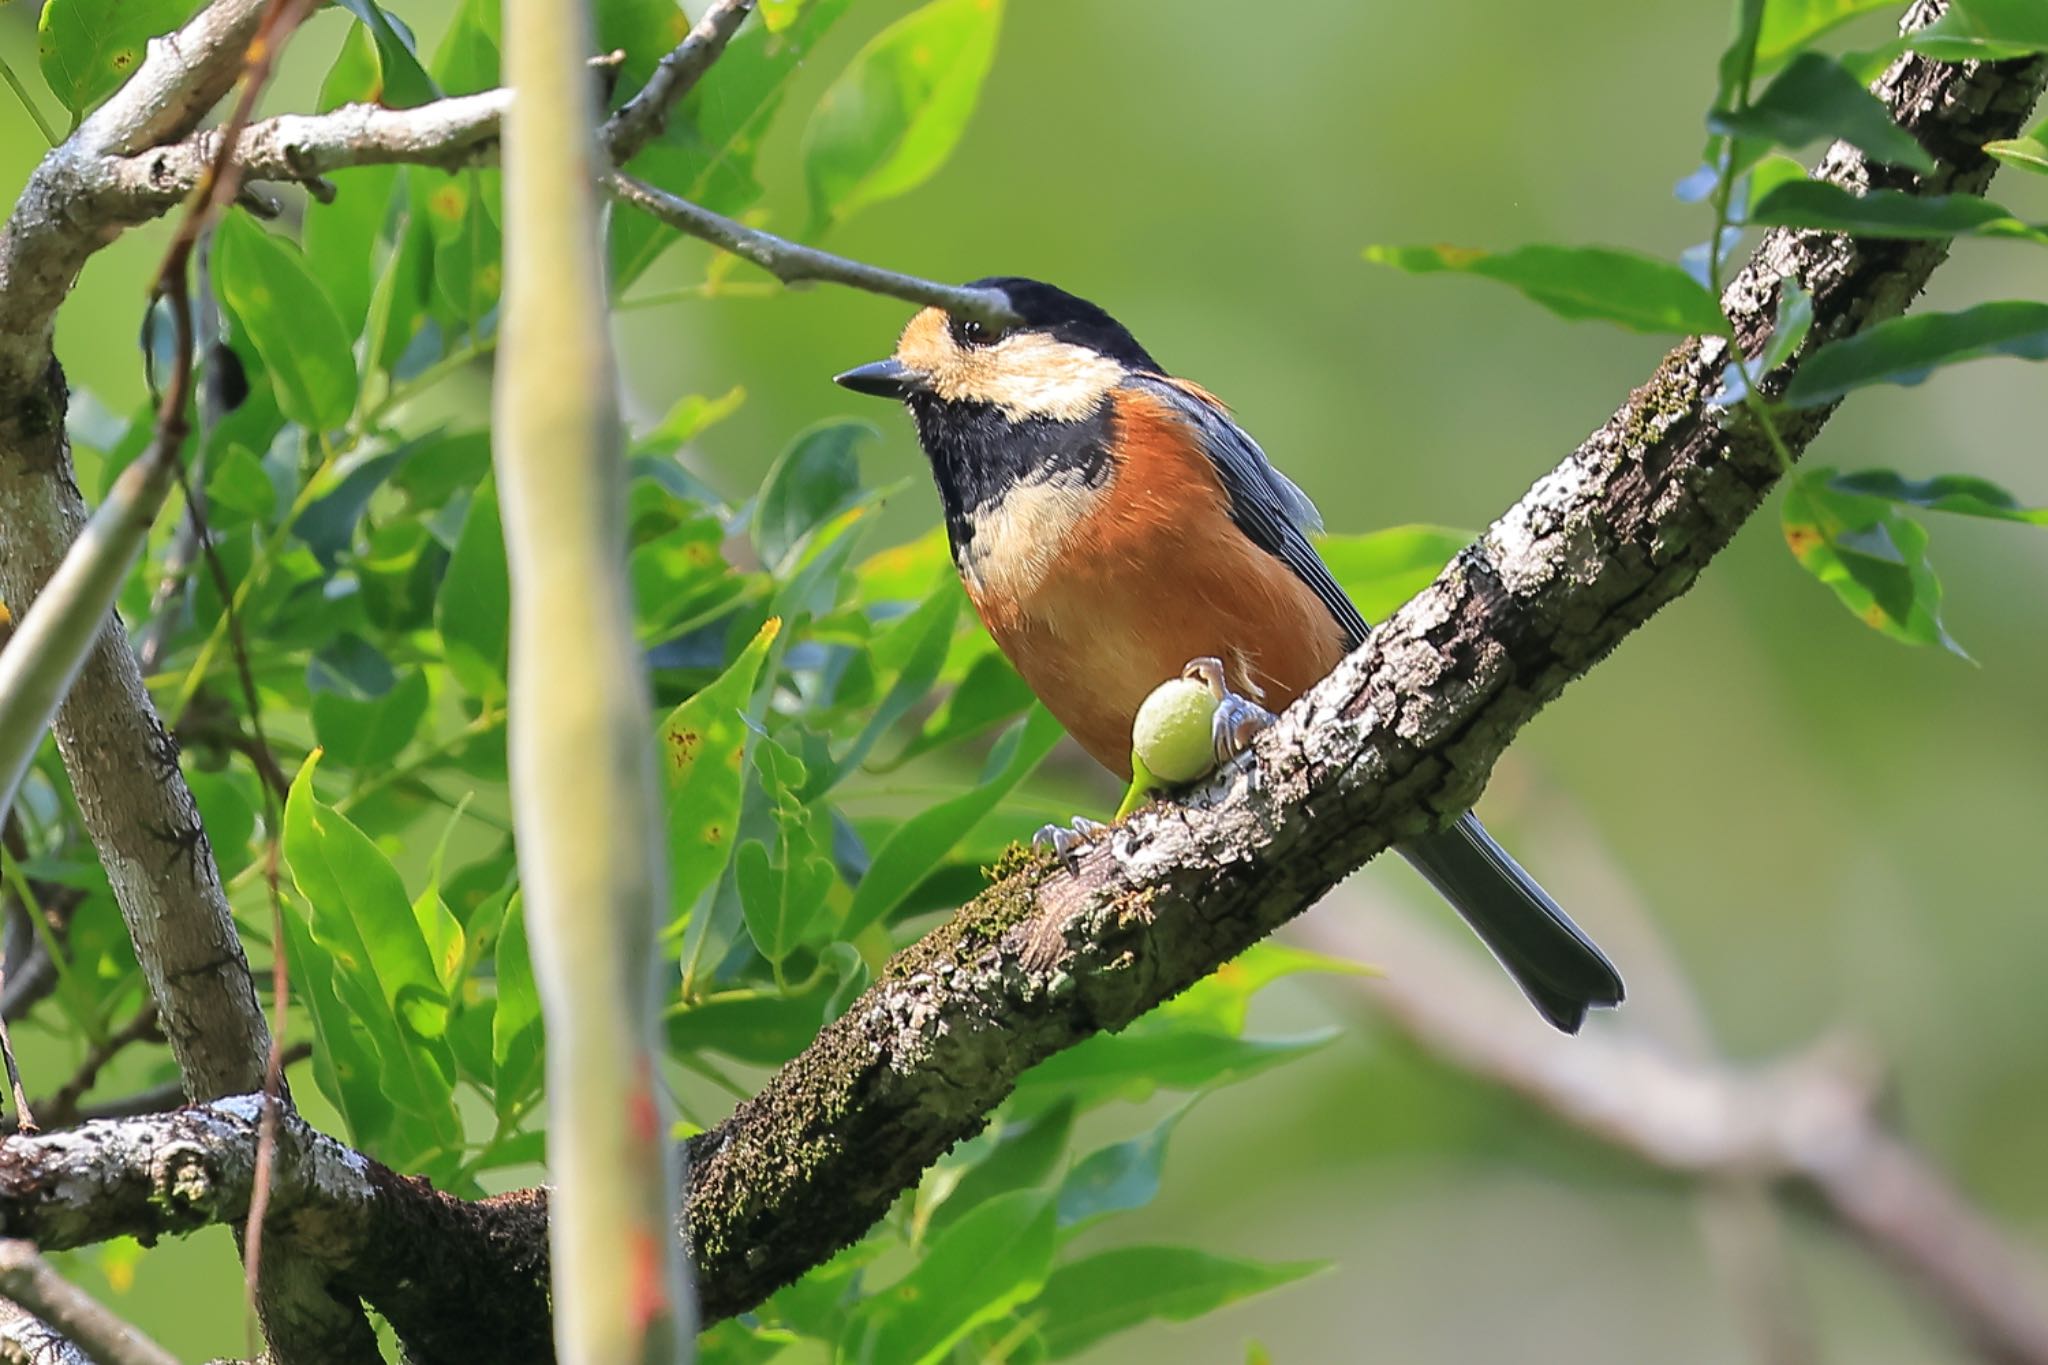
(1113, 1291)
(89, 47)
(290, 319)
(1813, 99)
(899, 109)
(1600, 283)
(384, 971)
(1872, 556)
(346, 1065)
(703, 751)
(986, 1264)
(1907, 350)
(1888, 213)
(2029, 153)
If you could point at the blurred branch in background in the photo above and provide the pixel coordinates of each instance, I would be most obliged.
(28, 1280)
(1810, 1120)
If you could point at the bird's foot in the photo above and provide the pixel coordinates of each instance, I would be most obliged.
(1238, 719)
(1069, 841)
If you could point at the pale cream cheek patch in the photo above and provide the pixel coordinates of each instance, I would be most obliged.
(1027, 374)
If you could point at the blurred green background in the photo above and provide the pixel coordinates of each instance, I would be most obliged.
(1833, 831)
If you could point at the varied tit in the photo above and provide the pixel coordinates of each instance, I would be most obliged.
(1112, 523)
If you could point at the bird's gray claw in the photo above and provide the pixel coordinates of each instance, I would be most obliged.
(1237, 723)
(1069, 841)
(1238, 719)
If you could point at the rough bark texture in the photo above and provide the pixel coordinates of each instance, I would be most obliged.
(123, 767)
(459, 1281)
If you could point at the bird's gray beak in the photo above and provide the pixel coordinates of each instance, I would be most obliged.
(889, 378)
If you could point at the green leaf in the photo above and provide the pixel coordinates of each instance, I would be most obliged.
(291, 321)
(2029, 153)
(1113, 1291)
(1907, 350)
(405, 82)
(368, 734)
(989, 693)
(913, 649)
(781, 897)
(516, 1039)
(1962, 494)
(1023, 1156)
(899, 109)
(814, 480)
(1135, 1064)
(239, 490)
(1789, 25)
(703, 748)
(1117, 1178)
(707, 154)
(1738, 60)
(983, 1266)
(1601, 283)
(89, 47)
(757, 1027)
(345, 1061)
(923, 841)
(1815, 99)
(1985, 31)
(1380, 570)
(687, 419)
(466, 62)
(1872, 556)
(1888, 213)
(384, 971)
(1220, 1000)
(473, 610)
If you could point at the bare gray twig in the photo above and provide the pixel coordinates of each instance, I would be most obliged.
(795, 264)
(642, 118)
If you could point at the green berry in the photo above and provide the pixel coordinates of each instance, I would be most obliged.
(1172, 732)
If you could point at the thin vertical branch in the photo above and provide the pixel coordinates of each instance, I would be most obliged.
(582, 758)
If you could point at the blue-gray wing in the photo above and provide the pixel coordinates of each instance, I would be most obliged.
(1264, 502)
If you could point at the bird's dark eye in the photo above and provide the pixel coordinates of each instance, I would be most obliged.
(972, 332)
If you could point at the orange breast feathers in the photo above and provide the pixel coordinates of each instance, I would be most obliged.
(1099, 595)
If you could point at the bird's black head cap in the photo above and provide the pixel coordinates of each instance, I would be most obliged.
(1066, 317)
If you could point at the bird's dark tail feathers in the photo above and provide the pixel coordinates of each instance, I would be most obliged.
(1551, 958)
